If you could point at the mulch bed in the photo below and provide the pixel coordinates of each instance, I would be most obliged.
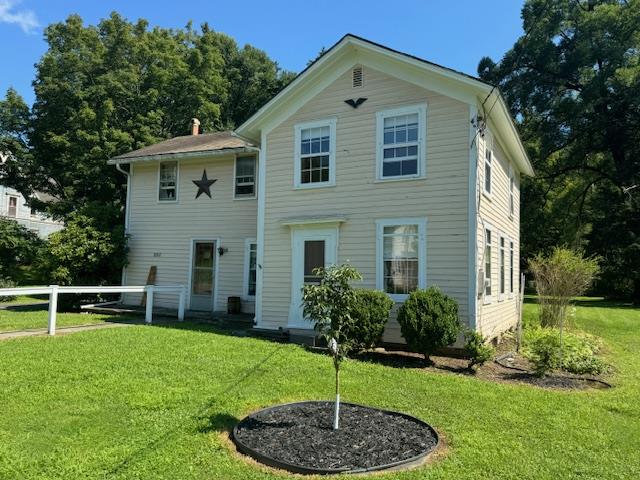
(299, 437)
(511, 368)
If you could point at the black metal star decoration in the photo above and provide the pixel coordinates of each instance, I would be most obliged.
(204, 184)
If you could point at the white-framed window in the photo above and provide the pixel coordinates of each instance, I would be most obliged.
(400, 139)
(244, 184)
(512, 193)
(511, 270)
(315, 154)
(401, 256)
(503, 266)
(12, 211)
(488, 252)
(488, 164)
(168, 181)
(250, 257)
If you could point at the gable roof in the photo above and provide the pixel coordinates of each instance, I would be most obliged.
(459, 85)
(189, 145)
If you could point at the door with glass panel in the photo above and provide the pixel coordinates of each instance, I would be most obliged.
(312, 248)
(203, 275)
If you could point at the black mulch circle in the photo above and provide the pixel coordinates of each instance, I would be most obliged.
(299, 437)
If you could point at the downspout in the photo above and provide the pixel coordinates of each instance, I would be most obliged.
(123, 279)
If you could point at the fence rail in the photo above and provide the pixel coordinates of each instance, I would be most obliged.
(54, 290)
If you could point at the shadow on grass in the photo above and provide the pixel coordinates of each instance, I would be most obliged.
(597, 302)
(217, 422)
(28, 307)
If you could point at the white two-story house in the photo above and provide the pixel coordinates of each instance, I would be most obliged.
(408, 170)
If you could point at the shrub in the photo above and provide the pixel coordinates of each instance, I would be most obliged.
(560, 276)
(18, 246)
(369, 315)
(477, 349)
(578, 355)
(6, 283)
(429, 320)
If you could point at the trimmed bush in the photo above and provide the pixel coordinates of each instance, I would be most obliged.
(6, 283)
(578, 354)
(369, 316)
(429, 321)
(477, 349)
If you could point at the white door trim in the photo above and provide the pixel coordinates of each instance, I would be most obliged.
(298, 236)
(216, 243)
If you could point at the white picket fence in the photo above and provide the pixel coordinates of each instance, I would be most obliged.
(54, 290)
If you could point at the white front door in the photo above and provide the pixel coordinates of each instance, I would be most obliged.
(203, 264)
(311, 248)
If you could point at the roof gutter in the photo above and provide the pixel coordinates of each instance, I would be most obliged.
(181, 155)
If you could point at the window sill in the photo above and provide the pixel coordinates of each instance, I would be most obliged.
(487, 301)
(399, 179)
(314, 185)
(487, 195)
(246, 198)
(501, 297)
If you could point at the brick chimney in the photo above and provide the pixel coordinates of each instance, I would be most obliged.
(195, 126)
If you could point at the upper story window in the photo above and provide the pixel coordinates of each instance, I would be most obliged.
(168, 182)
(512, 188)
(401, 256)
(315, 154)
(400, 142)
(488, 163)
(245, 177)
(13, 207)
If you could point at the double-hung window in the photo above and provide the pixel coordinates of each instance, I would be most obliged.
(168, 182)
(511, 271)
(251, 251)
(315, 154)
(503, 271)
(487, 265)
(488, 164)
(12, 211)
(245, 177)
(400, 142)
(401, 257)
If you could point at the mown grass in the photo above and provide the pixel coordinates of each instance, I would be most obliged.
(153, 402)
(23, 318)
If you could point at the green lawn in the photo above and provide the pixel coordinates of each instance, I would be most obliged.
(151, 402)
(12, 320)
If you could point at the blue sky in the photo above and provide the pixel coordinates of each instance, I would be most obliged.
(454, 33)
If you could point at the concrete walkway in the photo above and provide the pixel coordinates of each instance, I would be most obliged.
(62, 330)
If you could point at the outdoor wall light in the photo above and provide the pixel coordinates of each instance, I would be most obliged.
(222, 250)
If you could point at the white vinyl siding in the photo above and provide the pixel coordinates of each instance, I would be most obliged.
(361, 199)
(315, 159)
(162, 234)
(168, 181)
(400, 142)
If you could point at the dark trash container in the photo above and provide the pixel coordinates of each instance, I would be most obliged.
(233, 305)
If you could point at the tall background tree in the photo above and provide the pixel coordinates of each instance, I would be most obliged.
(105, 89)
(573, 82)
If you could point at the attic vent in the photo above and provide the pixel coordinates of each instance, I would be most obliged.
(358, 77)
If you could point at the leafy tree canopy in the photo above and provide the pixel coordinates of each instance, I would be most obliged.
(573, 82)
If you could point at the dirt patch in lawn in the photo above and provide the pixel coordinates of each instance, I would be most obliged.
(508, 367)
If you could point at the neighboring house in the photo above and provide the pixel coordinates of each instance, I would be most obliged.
(370, 156)
(14, 206)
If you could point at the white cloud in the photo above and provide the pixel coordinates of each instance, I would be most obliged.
(25, 19)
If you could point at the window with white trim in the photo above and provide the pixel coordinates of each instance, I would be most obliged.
(401, 256)
(487, 265)
(512, 198)
(315, 154)
(245, 177)
(511, 268)
(251, 252)
(168, 181)
(503, 271)
(400, 140)
(488, 163)
(13, 207)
